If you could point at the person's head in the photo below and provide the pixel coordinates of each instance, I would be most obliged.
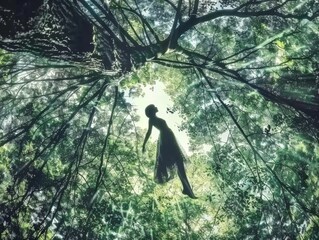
(151, 110)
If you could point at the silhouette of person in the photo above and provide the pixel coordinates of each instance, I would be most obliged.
(169, 155)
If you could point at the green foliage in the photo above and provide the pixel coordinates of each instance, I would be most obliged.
(244, 77)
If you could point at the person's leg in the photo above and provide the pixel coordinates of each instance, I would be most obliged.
(161, 174)
(187, 190)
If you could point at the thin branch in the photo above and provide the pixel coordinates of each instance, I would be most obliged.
(195, 9)
(172, 40)
(111, 17)
(146, 25)
(99, 177)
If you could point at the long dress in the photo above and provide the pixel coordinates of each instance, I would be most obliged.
(169, 156)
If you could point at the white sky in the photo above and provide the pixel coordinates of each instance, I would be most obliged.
(155, 94)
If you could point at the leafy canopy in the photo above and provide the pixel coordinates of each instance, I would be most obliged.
(243, 75)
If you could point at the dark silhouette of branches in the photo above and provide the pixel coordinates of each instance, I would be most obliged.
(122, 48)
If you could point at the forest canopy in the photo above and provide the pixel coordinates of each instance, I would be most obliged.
(243, 75)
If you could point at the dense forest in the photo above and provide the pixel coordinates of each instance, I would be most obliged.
(242, 74)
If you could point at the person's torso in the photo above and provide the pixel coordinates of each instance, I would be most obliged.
(160, 124)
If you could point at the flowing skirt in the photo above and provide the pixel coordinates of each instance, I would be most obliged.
(169, 156)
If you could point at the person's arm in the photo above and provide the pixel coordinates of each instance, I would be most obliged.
(148, 134)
